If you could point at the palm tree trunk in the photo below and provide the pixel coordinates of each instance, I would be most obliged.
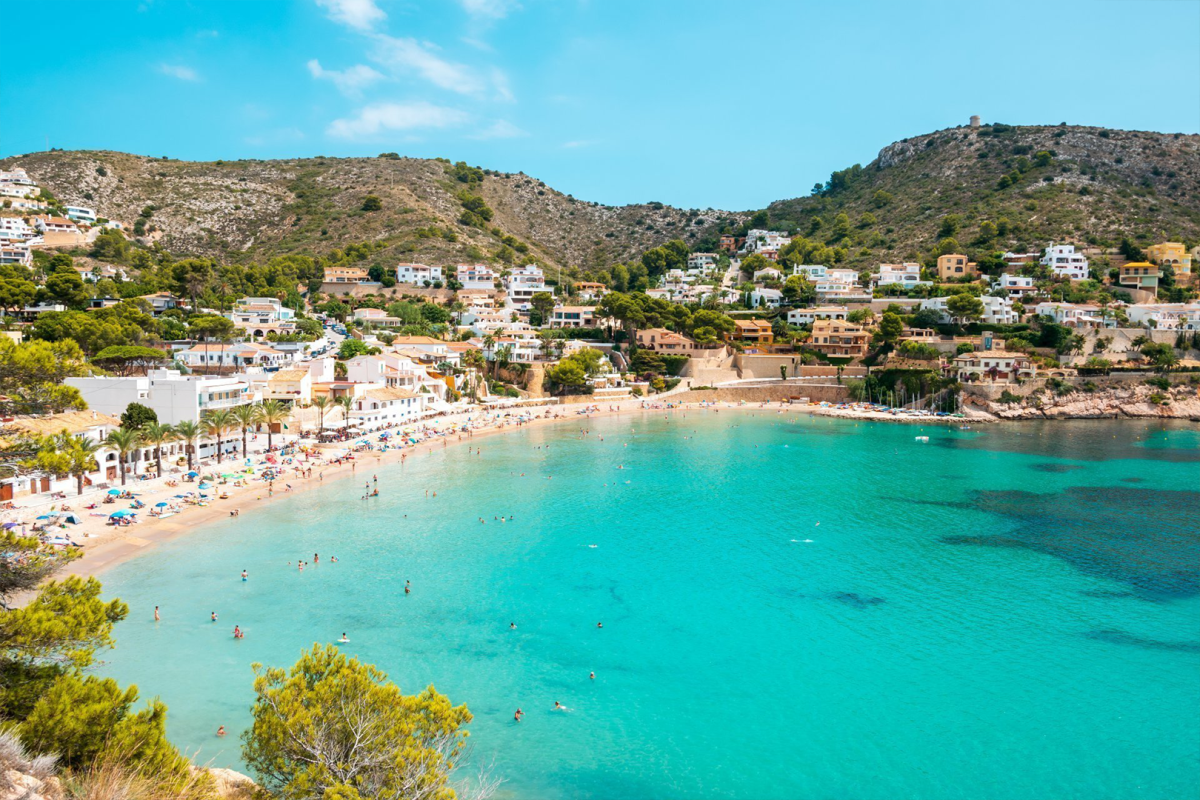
(270, 446)
(189, 456)
(79, 483)
(244, 449)
(122, 460)
(158, 459)
(218, 449)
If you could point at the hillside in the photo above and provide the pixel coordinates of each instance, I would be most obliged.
(252, 210)
(1097, 186)
(1061, 183)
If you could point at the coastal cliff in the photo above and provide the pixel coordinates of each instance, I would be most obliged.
(1127, 401)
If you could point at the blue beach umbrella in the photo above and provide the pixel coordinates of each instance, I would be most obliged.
(9, 525)
(114, 491)
(160, 505)
(47, 516)
(120, 513)
(192, 475)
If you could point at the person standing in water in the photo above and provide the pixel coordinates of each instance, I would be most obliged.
(156, 616)
(214, 616)
(244, 575)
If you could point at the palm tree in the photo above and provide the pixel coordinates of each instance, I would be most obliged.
(156, 433)
(273, 412)
(321, 402)
(246, 417)
(217, 424)
(82, 452)
(347, 404)
(189, 432)
(124, 441)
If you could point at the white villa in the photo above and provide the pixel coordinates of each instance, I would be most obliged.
(1064, 262)
(174, 397)
(807, 316)
(417, 274)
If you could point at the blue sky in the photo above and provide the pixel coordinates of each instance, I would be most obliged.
(722, 104)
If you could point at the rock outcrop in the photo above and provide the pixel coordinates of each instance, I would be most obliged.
(1132, 401)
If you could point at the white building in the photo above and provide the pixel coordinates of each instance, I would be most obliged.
(417, 274)
(768, 274)
(15, 229)
(573, 317)
(1064, 262)
(1165, 316)
(522, 284)
(476, 276)
(1016, 285)
(758, 241)
(261, 311)
(16, 253)
(996, 310)
(208, 355)
(807, 316)
(81, 214)
(54, 225)
(766, 298)
(702, 261)
(386, 407)
(839, 286)
(174, 397)
(1075, 315)
(907, 275)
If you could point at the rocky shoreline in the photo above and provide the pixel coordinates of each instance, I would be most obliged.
(1141, 401)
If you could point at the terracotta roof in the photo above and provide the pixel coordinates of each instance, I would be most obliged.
(389, 394)
(403, 340)
(288, 375)
(71, 421)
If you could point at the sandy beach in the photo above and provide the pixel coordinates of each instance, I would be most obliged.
(105, 545)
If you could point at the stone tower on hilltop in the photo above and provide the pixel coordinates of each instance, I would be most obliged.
(974, 120)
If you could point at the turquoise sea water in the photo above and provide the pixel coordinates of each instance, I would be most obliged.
(1011, 612)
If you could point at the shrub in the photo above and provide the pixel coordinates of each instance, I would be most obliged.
(372, 203)
(1008, 397)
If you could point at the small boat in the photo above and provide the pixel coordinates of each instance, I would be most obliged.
(922, 438)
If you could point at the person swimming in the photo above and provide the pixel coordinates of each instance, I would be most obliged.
(221, 730)
(517, 716)
(344, 638)
(599, 624)
(592, 675)
(512, 626)
(559, 707)
(244, 575)
(214, 616)
(407, 587)
(237, 633)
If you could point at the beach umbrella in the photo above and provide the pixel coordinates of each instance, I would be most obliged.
(192, 475)
(120, 513)
(114, 491)
(160, 505)
(48, 516)
(9, 525)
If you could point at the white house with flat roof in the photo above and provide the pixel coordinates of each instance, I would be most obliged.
(1064, 262)
(807, 316)
(996, 310)
(417, 274)
(81, 214)
(476, 276)
(173, 396)
(907, 275)
(522, 284)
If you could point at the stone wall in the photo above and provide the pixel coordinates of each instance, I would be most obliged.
(767, 367)
(817, 393)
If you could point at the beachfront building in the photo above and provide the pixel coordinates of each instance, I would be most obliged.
(807, 316)
(839, 338)
(907, 275)
(417, 274)
(1140, 275)
(352, 275)
(996, 310)
(289, 386)
(210, 356)
(476, 276)
(1174, 255)
(90, 424)
(955, 267)
(1064, 262)
(993, 366)
(386, 407)
(173, 396)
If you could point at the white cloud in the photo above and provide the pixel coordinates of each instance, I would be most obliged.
(409, 54)
(384, 117)
(359, 14)
(580, 143)
(501, 85)
(350, 81)
(500, 129)
(179, 71)
(489, 9)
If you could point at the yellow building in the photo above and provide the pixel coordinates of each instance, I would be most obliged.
(837, 337)
(1140, 275)
(1174, 254)
(953, 266)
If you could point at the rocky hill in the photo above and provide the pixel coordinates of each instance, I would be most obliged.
(994, 187)
(252, 210)
(1034, 183)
